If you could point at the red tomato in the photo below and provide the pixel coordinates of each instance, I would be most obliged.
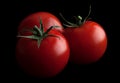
(48, 20)
(46, 61)
(87, 42)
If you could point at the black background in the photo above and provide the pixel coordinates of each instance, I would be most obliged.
(102, 12)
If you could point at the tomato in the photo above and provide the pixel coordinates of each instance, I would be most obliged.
(42, 54)
(87, 42)
(48, 20)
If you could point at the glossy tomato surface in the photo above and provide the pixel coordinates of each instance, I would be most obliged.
(48, 20)
(87, 42)
(47, 60)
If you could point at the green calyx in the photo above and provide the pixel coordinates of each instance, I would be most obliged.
(38, 33)
(79, 20)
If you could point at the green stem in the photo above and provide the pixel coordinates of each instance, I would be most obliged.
(70, 23)
(88, 14)
(79, 21)
(39, 34)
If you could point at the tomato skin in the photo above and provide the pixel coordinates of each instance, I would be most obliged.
(87, 42)
(48, 20)
(46, 61)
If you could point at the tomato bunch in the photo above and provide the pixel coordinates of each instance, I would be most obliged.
(44, 47)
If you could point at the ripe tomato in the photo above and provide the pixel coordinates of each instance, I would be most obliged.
(48, 20)
(87, 42)
(42, 54)
(47, 60)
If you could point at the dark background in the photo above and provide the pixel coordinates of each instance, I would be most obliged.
(102, 12)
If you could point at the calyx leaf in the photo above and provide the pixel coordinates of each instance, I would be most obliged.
(38, 33)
